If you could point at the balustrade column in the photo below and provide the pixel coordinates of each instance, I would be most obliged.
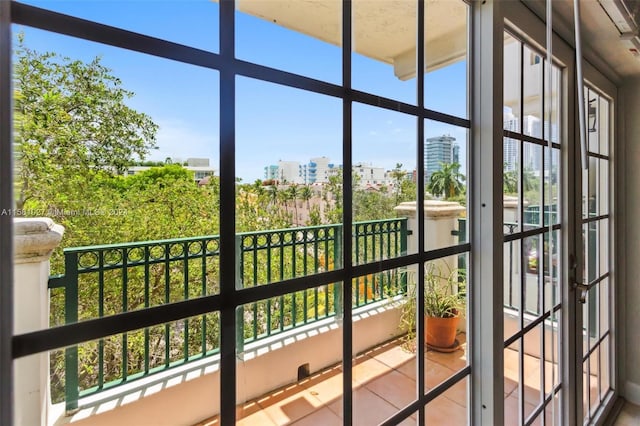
(34, 241)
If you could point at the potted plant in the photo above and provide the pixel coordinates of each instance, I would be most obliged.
(444, 301)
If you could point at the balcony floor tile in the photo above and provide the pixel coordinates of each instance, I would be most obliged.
(384, 382)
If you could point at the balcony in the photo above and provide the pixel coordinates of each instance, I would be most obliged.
(123, 377)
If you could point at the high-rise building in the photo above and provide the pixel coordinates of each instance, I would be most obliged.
(271, 172)
(369, 175)
(317, 170)
(438, 150)
(289, 172)
(532, 153)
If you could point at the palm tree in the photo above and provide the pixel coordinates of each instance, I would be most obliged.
(294, 193)
(306, 194)
(398, 175)
(283, 196)
(446, 182)
(273, 194)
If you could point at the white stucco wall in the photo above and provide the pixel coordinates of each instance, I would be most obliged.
(629, 242)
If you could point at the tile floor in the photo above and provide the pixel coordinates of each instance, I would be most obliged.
(383, 383)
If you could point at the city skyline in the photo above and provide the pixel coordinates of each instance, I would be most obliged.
(271, 118)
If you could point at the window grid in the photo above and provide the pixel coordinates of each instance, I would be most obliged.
(542, 316)
(595, 222)
(230, 298)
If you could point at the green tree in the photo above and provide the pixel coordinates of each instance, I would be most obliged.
(447, 182)
(71, 118)
(398, 175)
(293, 193)
(510, 182)
(306, 194)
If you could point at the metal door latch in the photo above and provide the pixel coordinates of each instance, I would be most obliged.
(580, 288)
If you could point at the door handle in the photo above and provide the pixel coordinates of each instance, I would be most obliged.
(580, 288)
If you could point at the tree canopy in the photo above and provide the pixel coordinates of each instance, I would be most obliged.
(71, 118)
(447, 182)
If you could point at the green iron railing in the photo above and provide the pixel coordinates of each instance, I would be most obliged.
(104, 280)
(531, 217)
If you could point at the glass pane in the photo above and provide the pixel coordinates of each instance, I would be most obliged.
(594, 382)
(553, 354)
(585, 390)
(194, 23)
(281, 375)
(291, 178)
(153, 149)
(605, 367)
(555, 106)
(446, 172)
(532, 174)
(445, 319)
(271, 33)
(603, 125)
(512, 369)
(512, 285)
(603, 246)
(384, 49)
(533, 250)
(125, 358)
(552, 186)
(446, 86)
(511, 185)
(553, 412)
(592, 115)
(384, 186)
(591, 188)
(534, 371)
(532, 91)
(384, 371)
(512, 83)
(605, 306)
(591, 263)
(451, 407)
(603, 187)
(552, 284)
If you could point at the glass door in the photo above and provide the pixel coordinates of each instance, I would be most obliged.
(533, 235)
(595, 328)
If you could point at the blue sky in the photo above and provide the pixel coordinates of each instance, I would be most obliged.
(273, 122)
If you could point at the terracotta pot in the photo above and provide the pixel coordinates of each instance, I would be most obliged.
(441, 332)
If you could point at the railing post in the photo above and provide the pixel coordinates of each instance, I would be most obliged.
(71, 317)
(239, 310)
(34, 241)
(337, 262)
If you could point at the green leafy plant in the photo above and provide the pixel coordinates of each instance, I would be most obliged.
(444, 297)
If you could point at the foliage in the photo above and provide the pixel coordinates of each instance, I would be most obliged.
(530, 184)
(444, 296)
(447, 182)
(372, 205)
(510, 182)
(71, 119)
(74, 133)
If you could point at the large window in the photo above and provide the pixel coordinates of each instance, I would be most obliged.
(301, 181)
